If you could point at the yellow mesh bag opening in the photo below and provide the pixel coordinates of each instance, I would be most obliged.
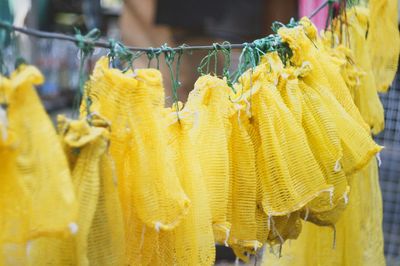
(210, 98)
(324, 142)
(40, 160)
(99, 239)
(365, 95)
(14, 215)
(151, 196)
(357, 145)
(383, 32)
(358, 238)
(310, 51)
(287, 184)
(192, 241)
(243, 234)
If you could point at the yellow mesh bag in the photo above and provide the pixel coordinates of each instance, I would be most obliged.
(324, 142)
(262, 229)
(350, 72)
(100, 238)
(286, 182)
(324, 65)
(383, 32)
(14, 219)
(40, 160)
(151, 196)
(192, 241)
(357, 145)
(210, 99)
(243, 234)
(365, 95)
(359, 239)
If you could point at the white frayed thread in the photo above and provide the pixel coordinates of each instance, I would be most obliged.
(237, 107)
(337, 167)
(227, 233)
(113, 170)
(248, 106)
(255, 246)
(269, 221)
(378, 158)
(306, 214)
(157, 226)
(73, 228)
(331, 197)
(4, 122)
(237, 261)
(277, 233)
(346, 198)
(306, 64)
(284, 75)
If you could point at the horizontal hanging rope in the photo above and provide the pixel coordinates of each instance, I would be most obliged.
(106, 44)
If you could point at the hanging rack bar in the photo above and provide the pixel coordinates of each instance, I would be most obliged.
(104, 44)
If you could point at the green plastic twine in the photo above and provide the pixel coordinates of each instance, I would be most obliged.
(226, 52)
(123, 54)
(150, 55)
(247, 59)
(5, 38)
(153, 53)
(169, 55)
(85, 44)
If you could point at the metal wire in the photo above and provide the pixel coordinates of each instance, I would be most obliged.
(104, 44)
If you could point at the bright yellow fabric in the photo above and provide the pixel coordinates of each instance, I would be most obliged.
(151, 195)
(324, 141)
(99, 239)
(243, 234)
(40, 159)
(286, 182)
(210, 100)
(14, 213)
(357, 145)
(383, 41)
(359, 238)
(192, 241)
(366, 97)
(324, 68)
(357, 59)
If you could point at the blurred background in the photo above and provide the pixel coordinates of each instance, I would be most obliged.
(152, 23)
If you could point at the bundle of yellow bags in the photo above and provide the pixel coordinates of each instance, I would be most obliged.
(285, 154)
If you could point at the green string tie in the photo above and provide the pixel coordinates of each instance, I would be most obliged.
(86, 44)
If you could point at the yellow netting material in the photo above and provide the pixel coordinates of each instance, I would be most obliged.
(210, 101)
(40, 160)
(357, 145)
(287, 183)
(14, 219)
(99, 239)
(359, 239)
(383, 41)
(243, 234)
(192, 241)
(151, 195)
(324, 142)
(356, 65)
(366, 96)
